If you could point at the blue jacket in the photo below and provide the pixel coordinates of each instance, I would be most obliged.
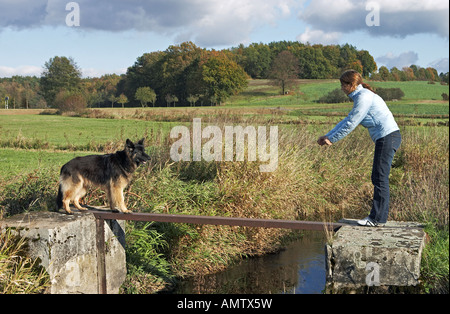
(371, 112)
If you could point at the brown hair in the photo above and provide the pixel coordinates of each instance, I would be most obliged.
(353, 77)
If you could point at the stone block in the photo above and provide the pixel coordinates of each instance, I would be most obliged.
(66, 248)
(362, 257)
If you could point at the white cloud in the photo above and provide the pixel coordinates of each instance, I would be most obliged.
(319, 37)
(29, 70)
(22, 13)
(404, 59)
(232, 21)
(441, 65)
(412, 5)
(397, 18)
(24, 70)
(92, 72)
(208, 22)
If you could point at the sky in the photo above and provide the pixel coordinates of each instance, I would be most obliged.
(107, 36)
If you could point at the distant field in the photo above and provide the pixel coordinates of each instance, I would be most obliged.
(19, 161)
(437, 108)
(61, 132)
(29, 141)
(417, 89)
(307, 92)
(398, 108)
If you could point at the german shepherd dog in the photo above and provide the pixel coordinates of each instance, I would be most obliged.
(110, 172)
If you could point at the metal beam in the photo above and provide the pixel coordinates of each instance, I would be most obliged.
(101, 258)
(102, 216)
(220, 221)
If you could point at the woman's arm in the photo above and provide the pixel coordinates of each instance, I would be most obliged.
(359, 112)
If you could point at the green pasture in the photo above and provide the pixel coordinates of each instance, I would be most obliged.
(307, 92)
(400, 108)
(61, 132)
(28, 142)
(311, 182)
(31, 142)
(416, 90)
(16, 162)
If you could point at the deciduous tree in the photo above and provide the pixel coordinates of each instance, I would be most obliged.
(60, 74)
(284, 70)
(122, 100)
(145, 95)
(222, 77)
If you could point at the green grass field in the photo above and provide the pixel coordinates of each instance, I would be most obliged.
(16, 162)
(306, 92)
(311, 182)
(30, 141)
(61, 132)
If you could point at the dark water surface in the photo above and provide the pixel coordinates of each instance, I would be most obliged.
(299, 269)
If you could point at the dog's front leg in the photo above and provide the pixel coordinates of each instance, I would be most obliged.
(123, 207)
(117, 202)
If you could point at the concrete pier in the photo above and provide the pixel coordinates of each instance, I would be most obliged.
(359, 259)
(380, 259)
(66, 248)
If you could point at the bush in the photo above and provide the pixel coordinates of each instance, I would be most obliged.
(334, 97)
(31, 192)
(390, 93)
(70, 102)
(444, 96)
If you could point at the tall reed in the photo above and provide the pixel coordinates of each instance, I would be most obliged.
(19, 274)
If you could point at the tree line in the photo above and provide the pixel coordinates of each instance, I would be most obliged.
(183, 75)
(187, 75)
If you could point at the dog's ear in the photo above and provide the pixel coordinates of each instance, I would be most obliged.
(141, 142)
(129, 144)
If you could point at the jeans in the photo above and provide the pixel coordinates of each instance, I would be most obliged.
(385, 149)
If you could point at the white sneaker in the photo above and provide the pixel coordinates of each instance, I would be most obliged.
(367, 222)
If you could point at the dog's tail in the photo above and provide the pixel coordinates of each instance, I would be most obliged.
(59, 199)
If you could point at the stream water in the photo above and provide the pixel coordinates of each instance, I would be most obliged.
(298, 269)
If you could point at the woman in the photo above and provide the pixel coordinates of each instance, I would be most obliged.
(370, 111)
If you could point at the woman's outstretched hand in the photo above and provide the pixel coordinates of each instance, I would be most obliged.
(323, 140)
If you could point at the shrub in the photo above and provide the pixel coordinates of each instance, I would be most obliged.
(444, 96)
(31, 192)
(334, 97)
(390, 93)
(70, 102)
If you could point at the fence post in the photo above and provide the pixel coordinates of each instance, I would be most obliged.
(101, 259)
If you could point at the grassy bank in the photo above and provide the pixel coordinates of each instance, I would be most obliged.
(19, 273)
(310, 183)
